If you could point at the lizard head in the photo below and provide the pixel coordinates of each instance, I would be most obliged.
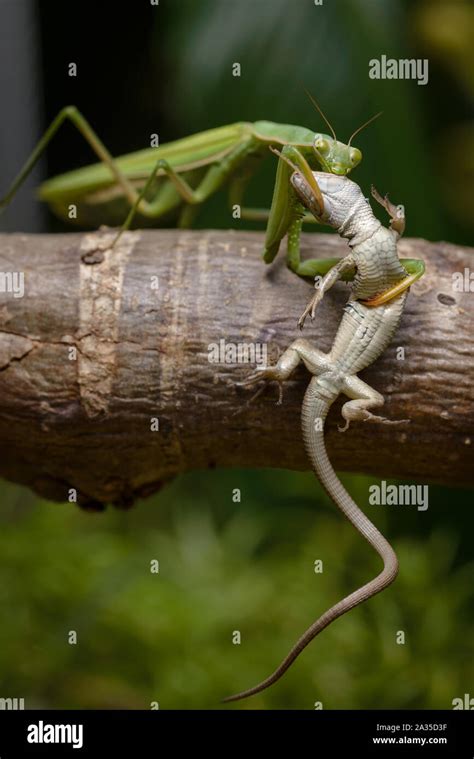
(340, 195)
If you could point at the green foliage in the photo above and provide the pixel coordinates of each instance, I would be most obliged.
(227, 566)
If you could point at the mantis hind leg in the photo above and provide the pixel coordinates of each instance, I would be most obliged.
(319, 267)
(415, 268)
(187, 216)
(162, 202)
(213, 179)
(70, 113)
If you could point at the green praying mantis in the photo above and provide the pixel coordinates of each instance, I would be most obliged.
(179, 176)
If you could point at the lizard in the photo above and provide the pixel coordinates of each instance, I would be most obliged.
(371, 317)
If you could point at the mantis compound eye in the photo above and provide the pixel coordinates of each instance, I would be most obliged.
(355, 156)
(321, 145)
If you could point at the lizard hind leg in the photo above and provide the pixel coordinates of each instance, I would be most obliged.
(299, 351)
(278, 373)
(364, 398)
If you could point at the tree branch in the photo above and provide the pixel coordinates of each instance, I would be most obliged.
(106, 346)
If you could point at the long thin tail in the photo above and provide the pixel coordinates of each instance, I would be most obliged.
(316, 408)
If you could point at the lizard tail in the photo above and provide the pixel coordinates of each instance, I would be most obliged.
(315, 408)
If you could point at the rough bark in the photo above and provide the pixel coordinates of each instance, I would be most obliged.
(95, 351)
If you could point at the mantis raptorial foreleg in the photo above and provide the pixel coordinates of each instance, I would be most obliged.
(286, 213)
(302, 180)
(287, 216)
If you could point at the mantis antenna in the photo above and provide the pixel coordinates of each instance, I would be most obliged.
(366, 123)
(314, 102)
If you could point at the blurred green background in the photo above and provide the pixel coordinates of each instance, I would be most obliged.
(248, 566)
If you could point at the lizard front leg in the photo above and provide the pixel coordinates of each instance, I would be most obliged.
(329, 279)
(396, 213)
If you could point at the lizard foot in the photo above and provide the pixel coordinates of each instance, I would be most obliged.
(396, 213)
(267, 374)
(368, 417)
(392, 421)
(354, 411)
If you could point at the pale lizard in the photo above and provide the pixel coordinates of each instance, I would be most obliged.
(370, 319)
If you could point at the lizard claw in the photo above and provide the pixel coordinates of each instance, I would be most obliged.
(384, 420)
(256, 376)
(267, 374)
(280, 394)
(305, 313)
(310, 309)
(262, 388)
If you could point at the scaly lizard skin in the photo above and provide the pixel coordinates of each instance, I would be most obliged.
(364, 333)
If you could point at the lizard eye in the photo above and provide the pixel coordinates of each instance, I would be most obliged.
(355, 156)
(321, 145)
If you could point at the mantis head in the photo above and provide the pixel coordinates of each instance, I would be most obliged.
(335, 157)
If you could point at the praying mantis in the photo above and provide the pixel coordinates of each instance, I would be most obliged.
(179, 176)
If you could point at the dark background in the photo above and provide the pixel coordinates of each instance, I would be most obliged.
(247, 566)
